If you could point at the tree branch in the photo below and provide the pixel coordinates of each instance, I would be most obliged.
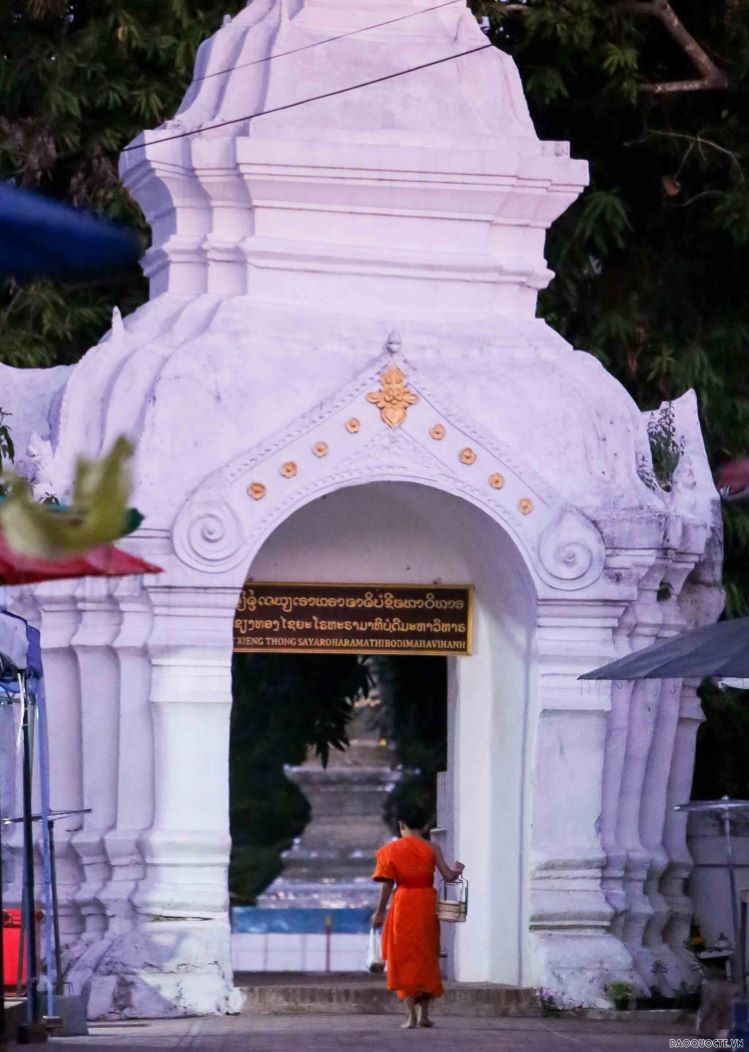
(712, 77)
(635, 7)
(699, 141)
(671, 87)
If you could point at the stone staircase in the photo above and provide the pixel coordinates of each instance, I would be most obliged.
(341, 993)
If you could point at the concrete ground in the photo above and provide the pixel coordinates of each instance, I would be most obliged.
(367, 1033)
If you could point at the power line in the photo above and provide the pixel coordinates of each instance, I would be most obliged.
(303, 102)
(328, 40)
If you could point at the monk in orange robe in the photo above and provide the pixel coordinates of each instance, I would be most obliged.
(411, 935)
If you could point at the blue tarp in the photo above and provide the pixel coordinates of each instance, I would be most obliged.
(41, 236)
(297, 919)
(720, 650)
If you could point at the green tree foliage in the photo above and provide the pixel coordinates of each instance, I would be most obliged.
(723, 745)
(79, 79)
(650, 261)
(416, 717)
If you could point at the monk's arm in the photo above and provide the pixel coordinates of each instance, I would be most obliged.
(442, 866)
(386, 890)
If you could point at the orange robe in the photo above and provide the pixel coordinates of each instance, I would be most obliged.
(411, 936)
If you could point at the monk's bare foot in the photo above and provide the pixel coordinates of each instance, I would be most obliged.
(410, 1023)
(423, 1017)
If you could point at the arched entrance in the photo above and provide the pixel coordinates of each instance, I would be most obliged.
(341, 495)
(402, 532)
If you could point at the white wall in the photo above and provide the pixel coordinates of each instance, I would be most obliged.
(709, 884)
(401, 532)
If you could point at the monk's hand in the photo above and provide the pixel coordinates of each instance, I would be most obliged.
(378, 919)
(458, 867)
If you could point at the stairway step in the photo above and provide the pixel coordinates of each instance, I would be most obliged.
(281, 993)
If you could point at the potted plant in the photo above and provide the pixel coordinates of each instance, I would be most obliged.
(620, 992)
(696, 942)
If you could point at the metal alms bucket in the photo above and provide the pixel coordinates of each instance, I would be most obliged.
(452, 903)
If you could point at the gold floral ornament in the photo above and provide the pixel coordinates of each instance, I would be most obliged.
(289, 469)
(394, 398)
(353, 426)
(525, 506)
(467, 456)
(496, 481)
(437, 432)
(256, 490)
(321, 449)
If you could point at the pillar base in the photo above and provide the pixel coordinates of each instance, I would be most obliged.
(574, 968)
(160, 969)
(662, 969)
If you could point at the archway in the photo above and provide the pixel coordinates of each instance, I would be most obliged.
(403, 532)
(325, 750)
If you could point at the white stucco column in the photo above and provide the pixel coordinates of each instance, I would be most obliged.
(181, 903)
(671, 971)
(99, 684)
(642, 719)
(176, 956)
(58, 619)
(135, 760)
(642, 716)
(674, 880)
(652, 819)
(186, 850)
(574, 951)
(651, 736)
(616, 746)
(700, 602)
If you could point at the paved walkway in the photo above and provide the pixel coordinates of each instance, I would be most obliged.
(366, 1033)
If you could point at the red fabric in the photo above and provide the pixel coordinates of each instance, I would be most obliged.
(103, 561)
(411, 936)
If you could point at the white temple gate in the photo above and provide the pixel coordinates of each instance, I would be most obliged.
(343, 306)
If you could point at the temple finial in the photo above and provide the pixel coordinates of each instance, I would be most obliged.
(118, 326)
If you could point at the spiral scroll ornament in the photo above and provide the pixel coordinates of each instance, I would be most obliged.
(208, 536)
(572, 549)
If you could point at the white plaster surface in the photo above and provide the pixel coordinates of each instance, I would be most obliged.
(296, 257)
(285, 952)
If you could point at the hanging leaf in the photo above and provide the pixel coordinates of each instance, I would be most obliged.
(97, 514)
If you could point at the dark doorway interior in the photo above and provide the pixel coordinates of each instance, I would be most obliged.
(288, 704)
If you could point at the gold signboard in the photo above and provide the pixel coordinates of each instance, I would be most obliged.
(354, 618)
